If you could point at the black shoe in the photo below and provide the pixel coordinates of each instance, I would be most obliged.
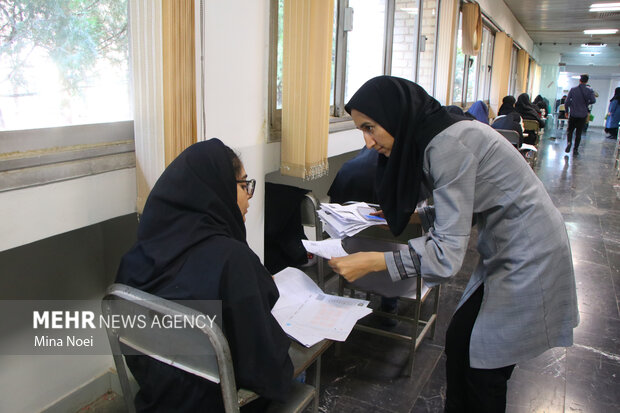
(567, 150)
(575, 151)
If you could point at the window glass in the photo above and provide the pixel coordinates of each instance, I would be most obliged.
(459, 72)
(426, 59)
(364, 44)
(405, 39)
(279, 53)
(472, 78)
(513, 71)
(489, 65)
(63, 63)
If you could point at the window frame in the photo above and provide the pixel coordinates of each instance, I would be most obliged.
(339, 119)
(33, 157)
(467, 62)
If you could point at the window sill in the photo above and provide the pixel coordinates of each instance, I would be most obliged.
(40, 167)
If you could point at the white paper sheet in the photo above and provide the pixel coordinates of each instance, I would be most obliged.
(328, 248)
(308, 315)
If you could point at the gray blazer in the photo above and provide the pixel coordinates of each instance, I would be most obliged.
(530, 299)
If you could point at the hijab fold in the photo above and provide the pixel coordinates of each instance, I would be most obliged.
(413, 118)
(194, 199)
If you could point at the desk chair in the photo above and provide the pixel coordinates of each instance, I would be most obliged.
(511, 135)
(200, 351)
(413, 290)
(532, 125)
(310, 218)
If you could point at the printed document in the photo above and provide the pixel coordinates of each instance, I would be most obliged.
(327, 248)
(308, 315)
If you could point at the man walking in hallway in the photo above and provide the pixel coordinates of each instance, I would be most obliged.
(576, 105)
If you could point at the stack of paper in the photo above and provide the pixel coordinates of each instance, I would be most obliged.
(308, 315)
(341, 221)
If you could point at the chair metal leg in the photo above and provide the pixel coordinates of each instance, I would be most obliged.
(435, 310)
(414, 337)
(315, 374)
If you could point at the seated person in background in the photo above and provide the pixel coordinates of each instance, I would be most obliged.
(527, 111)
(508, 105)
(479, 111)
(511, 121)
(192, 246)
(540, 105)
(355, 182)
(561, 109)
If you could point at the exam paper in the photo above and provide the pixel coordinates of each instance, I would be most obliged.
(327, 248)
(308, 315)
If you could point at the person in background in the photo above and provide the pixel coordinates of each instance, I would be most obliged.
(521, 298)
(508, 105)
(480, 111)
(613, 115)
(577, 102)
(541, 105)
(355, 182)
(527, 111)
(561, 109)
(192, 246)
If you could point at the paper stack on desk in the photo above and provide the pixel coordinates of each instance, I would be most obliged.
(308, 315)
(341, 221)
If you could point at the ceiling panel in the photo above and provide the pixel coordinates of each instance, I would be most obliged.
(558, 25)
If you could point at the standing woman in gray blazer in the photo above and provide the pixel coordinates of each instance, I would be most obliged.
(521, 298)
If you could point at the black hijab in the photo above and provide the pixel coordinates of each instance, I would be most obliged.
(194, 199)
(413, 118)
(525, 108)
(508, 105)
(616, 95)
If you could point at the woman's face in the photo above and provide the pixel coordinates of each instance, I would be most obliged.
(243, 198)
(375, 136)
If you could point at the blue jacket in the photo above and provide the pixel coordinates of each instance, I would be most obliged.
(578, 100)
(614, 118)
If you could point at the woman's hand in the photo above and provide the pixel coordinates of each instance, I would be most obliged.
(355, 266)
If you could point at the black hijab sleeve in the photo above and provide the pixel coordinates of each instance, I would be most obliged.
(258, 344)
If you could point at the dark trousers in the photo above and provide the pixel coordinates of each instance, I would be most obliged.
(575, 124)
(470, 389)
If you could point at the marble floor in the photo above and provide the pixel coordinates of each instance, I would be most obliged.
(367, 374)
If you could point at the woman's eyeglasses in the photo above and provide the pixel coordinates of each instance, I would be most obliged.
(249, 185)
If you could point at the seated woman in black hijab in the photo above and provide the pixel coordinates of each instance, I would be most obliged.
(527, 111)
(508, 118)
(192, 246)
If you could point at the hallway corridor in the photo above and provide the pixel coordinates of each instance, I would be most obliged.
(583, 378)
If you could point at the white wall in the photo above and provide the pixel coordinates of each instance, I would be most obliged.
(35, 213)
(503, 17)
(236, 73)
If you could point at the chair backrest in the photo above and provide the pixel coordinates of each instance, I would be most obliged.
(511, 135)
(202, 350)
(309, 217)
(531, 124)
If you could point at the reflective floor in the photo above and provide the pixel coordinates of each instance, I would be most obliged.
(366, 376)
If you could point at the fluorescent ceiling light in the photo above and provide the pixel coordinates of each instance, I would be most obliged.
(575, 77)
(601, 7)
(594, 45)
(590, 53)
(601, 31)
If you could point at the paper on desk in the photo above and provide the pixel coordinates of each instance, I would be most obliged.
(308, 315)
(327, 248)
